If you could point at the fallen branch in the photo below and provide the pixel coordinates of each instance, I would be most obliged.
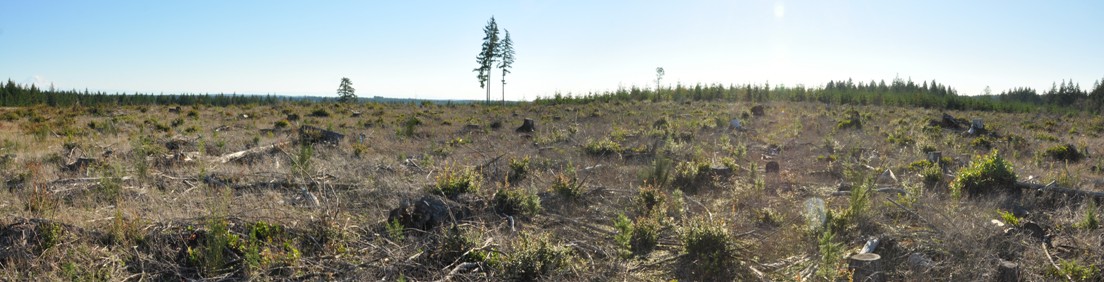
(242, 154)
(1056, 267)
(880, 190)
(1052, 187)
(67, 181)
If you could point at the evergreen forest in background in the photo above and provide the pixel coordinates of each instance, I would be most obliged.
(1063, 96)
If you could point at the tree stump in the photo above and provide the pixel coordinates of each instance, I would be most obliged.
(866, 267)
(310, 135)
(1008, 271)
(935, 156)
(772, 167)
(527, 126)
(758, 110)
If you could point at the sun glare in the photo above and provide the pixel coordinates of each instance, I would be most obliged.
(779, 10)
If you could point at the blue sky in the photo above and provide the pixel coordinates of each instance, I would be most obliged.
(427, 49)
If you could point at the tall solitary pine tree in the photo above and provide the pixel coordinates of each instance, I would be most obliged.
(487, 56)
(506, 54)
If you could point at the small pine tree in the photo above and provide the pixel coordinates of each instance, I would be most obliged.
(346, 93)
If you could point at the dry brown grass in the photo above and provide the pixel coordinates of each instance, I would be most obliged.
(162, 208)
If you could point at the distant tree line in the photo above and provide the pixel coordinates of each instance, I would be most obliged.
(15, 95)
(899, 92)
(1065, 94)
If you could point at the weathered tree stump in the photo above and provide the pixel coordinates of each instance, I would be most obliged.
(79, 165)
(758, 110)
(310, 134)
(867, 267)
(427, 212)
(772, 167)
(935, 156)
(1008, 271)
(527, 126)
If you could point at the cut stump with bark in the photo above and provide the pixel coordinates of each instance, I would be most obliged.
(867, 267)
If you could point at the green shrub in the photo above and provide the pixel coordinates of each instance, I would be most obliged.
(516, 202)
(408, 125)
(1046, 137)
(320, 112)
(920, 165)
(51, 234)
(981, 143)
(932, 175)
(535, 256)
(283, 123)
(1009, 218)
(1089, 219)
(454, 181)
(623, 236)
(1076, 270)
(567, 185)
(830, 250)
(851, 120)
(768, 217)
(460, 245)
(691, 174)
(986, 173)
(1064, 153)
(395, 230)
(650, 201)
(709, 249)
(659, 172)
(645, 236)
(900, 138)
(519, 168)
(264, 245)
(602, 147)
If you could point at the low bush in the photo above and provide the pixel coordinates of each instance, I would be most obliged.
(534, 257)
(1089, 220)
(986, 173)
(981, 143)
(320, 112)
(519, 168)
(639, 237)
(650, 201)
(709, 250)
(1076, 270)
(452, 182)
(568, 185)
(1064, 153)
(516, 202)
(691, 174)
(602, 147)
(851, 120)
(659, 173)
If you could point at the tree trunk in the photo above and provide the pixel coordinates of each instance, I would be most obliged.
(1008, 271)
(489, 73)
